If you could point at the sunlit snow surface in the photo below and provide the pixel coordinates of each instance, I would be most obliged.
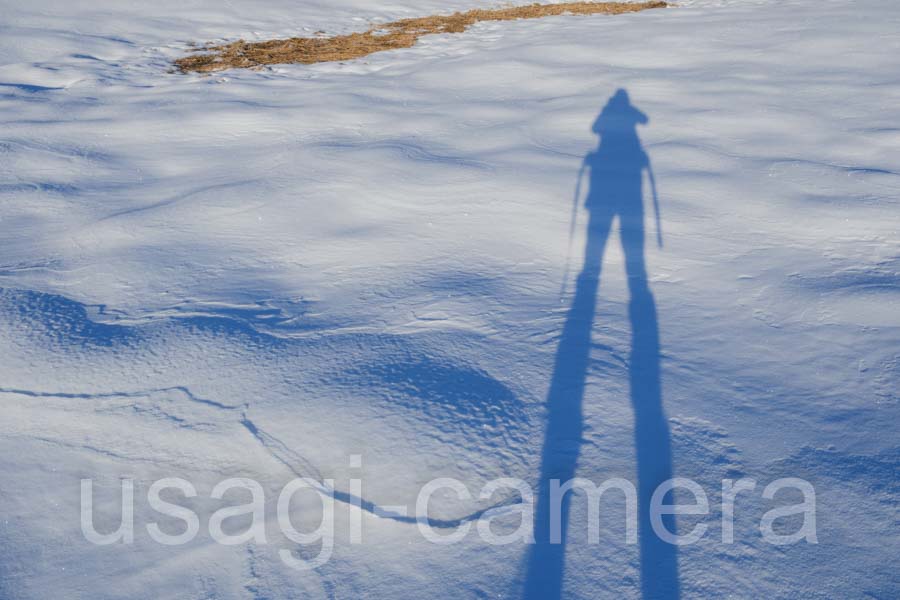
(261, 273)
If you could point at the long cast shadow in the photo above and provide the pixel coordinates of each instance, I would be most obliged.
(616, 182)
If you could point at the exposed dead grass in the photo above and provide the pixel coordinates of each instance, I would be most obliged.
(389, 36)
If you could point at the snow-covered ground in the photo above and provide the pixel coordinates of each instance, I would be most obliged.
(264, 274)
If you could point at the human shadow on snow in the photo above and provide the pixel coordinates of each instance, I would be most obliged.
(615, 194)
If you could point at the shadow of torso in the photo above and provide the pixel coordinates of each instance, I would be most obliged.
(616, 187)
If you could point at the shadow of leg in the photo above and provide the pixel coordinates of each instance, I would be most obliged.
(562, 440)
(659, 563)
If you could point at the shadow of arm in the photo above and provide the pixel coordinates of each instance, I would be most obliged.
(659, 239)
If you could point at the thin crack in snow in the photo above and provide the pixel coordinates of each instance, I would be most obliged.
(278, 450)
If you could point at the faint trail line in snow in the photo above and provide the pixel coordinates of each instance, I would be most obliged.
(31, 89)
(409, 150)
(69, 33)
(138, 394)
(39, 186)
(765, 159)
(94, 449)
(59, 149)
(106, 396)
(50, 266)
(281, 452)
(289, 458)
(178, 198)
(262, 317)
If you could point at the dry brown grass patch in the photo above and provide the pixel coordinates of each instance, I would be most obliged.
(390, 36)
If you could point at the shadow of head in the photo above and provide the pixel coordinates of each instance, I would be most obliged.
(619, 116)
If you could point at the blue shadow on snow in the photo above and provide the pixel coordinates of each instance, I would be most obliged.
(616, 193)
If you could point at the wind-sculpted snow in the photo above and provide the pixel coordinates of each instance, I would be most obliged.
(177, 430)
(450, 397)
(266, 274)
(60, 325)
